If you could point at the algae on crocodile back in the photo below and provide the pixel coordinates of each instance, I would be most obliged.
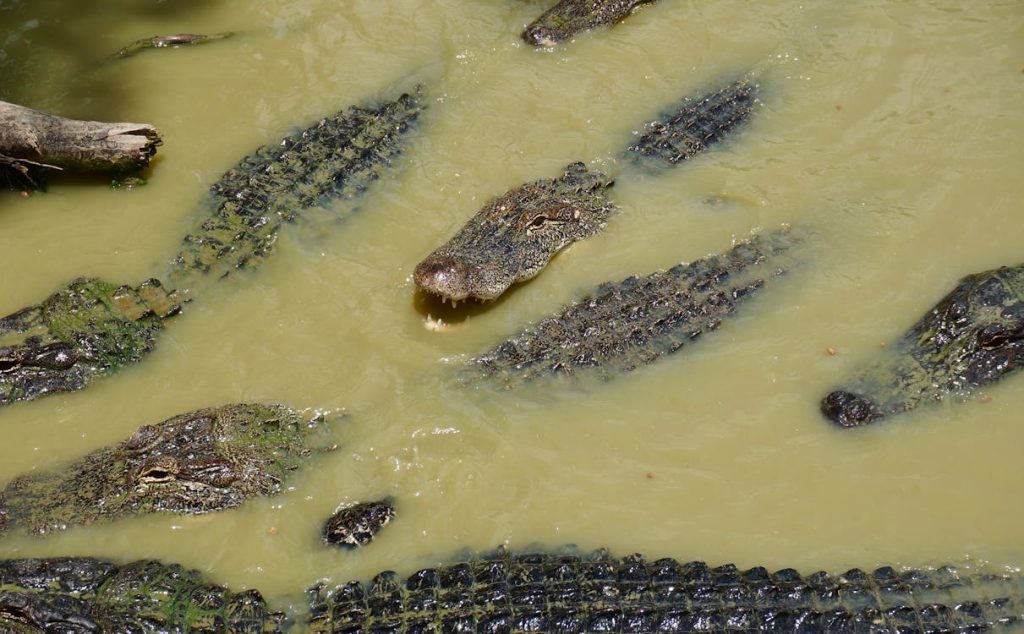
(82, 594)
(86, 330)
(337, 157)
(207, 460)
(973, 337)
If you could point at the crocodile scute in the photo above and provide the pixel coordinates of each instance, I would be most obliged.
(973, 337)
(207, 460)
(508, 591)
(622, 326)
(81, 595)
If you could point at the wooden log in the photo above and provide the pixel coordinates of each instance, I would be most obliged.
(30, 139)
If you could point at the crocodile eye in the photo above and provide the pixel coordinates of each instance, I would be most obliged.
(156, 474)
(538, 222)
(994, 336)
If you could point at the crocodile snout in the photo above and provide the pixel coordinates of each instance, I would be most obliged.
(540, 35)
(443, 275)
(847, 409)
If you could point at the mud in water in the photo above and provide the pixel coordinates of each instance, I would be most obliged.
(890, 131)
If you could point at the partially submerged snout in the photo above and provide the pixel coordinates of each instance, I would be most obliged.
(515, 235)
(446, 277)
(973, 337)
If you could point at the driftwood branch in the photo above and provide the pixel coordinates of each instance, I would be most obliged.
(32, 138)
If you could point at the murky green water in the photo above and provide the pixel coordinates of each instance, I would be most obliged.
(892, 130)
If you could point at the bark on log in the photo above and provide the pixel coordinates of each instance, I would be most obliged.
(35, 139)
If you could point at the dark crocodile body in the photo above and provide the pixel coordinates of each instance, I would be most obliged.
(569, 17)
(72, 595)
(624, 325)
(207, 460)
(973, 337)
(176, 40)
(515, 235)
(338, 157)
(512, 592)
(356, 525)
(86, 330)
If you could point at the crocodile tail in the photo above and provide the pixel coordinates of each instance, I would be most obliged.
(696, 124)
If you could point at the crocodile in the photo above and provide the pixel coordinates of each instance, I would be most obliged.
(92, 328)
(973, 337)
(356, 525)
(207, 460)
(622, 326)
(84, 331)
(82, 595)
(508, 591)
(569, 17)
(514, 236)
(515, 591)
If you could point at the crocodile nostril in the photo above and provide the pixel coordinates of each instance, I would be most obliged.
(849, 410)
(442, 275)
(539, 35)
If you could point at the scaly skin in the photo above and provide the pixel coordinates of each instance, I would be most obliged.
(973, 337)
(86, 330)
(515, 235)
(203, 461)
(569, 17)
(512, 592)
(339, 157)
(624, 325)
(75, 595)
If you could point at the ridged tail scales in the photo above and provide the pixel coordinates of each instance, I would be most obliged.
(513, 592)
(88, 329)
(624, 325)
(337, 157)
(696, 124)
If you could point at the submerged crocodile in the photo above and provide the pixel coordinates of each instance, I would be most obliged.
(506, 591)
(78, 595)
(207, 460)
(356, 525)
(622, 326)
(515, 235)
(973, 337)
(92, 328)
(176, 40)
(569, 17)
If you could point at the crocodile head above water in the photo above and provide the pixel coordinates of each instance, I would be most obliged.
(569, 17)
(207, 460)
(515, 235)
(974, 336)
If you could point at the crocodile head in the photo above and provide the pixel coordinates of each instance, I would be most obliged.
(972, 337)
(569, 17)
(204, 461)
(515, 235)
